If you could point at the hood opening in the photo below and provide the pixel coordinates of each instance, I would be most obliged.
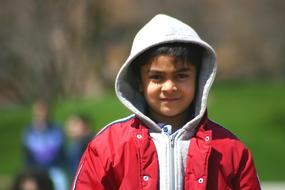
(126, 85)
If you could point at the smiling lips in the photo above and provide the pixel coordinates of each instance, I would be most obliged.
(168, 99)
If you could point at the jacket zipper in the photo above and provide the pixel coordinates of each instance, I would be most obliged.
(172, 164)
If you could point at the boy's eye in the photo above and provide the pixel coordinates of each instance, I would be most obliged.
(155, 77)
(182, 76)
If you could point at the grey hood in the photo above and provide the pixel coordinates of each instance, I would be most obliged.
(159, 30)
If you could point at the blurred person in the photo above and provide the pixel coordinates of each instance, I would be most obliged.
(43, 145)
(169, 143)
(32, 179)
(78, 136)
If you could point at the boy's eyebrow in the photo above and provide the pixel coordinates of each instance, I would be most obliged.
(184, 69)
(153, 71)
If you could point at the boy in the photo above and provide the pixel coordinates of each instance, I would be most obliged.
(169, 142)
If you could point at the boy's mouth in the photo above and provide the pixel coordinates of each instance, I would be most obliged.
(168, 99)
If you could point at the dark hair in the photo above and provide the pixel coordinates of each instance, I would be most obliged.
(185, 52)
(41, 178)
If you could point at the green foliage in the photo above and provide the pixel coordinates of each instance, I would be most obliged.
(100, 112)
(253, 111)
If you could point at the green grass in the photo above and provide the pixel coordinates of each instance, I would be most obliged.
(254, 111)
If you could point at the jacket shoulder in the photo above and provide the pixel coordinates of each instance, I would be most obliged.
(224, 139)
(220, 132)
(119, 130)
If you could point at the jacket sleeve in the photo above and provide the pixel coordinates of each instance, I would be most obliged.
(91, 173)
(247, 178)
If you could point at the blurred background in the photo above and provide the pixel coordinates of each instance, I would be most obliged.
(67, 53)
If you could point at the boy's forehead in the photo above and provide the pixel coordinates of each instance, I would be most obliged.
(168, 62)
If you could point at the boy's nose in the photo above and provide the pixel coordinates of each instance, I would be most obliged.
(169, 86)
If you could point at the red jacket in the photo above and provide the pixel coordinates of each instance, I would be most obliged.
(124, 157)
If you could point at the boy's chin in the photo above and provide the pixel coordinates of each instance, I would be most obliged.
(171, 114)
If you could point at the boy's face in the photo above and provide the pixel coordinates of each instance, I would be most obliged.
(168, 86)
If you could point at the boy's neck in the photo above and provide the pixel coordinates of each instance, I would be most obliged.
(175, 121)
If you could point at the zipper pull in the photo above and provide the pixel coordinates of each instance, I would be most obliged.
(167, 129)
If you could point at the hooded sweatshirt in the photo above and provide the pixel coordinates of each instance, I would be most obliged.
(165, 161)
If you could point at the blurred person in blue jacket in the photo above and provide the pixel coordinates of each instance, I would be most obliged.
(79, 135)
(43, 144)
